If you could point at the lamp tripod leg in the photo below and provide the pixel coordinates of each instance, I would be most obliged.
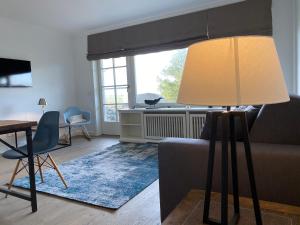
(224, 194)
(235, 183)
(210, 166)
(247, 147)
(227, 120)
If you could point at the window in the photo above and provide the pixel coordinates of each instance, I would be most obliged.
(149, 76)
(159, 74)
(114, 87)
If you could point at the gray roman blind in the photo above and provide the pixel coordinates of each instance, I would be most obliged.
(250, 17)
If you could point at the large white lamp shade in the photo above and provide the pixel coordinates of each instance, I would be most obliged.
(233, 71)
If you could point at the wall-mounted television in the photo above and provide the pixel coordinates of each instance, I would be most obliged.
(15, 73)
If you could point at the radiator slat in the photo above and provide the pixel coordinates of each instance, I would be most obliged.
(197, 122)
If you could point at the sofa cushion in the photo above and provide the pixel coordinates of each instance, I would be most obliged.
(251, 112)
(278, 123)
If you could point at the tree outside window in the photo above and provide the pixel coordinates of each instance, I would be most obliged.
(159, 74)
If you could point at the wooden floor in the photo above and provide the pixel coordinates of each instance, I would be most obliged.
(141, 210)
(189, 211)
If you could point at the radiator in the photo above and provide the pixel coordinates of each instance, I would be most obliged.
(157, 126)
(196, 123)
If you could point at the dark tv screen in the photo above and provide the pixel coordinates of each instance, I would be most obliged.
(15, 73)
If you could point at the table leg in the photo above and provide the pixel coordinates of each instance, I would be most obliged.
(16, 139)
(70, 136)
(31, 170)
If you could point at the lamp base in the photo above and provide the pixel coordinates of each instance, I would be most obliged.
(228, 134)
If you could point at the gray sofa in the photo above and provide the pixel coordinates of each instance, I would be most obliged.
(275, 137)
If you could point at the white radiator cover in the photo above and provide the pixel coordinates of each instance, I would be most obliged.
(196, 123)
(157, 126)
(144, 125)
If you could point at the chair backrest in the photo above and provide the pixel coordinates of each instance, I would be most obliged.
(47, 133)
(71, 111)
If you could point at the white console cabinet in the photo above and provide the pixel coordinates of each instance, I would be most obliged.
(152, 125)
(131, 126)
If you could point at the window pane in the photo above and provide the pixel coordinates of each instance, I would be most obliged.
(122, 95)
(114, 87)
(121, 76)
(110, 114)
(108, 96)
(108, 77)
(159, 74)
(106, 63)
(120, 61)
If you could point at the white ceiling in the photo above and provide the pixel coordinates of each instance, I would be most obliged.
(77, 15)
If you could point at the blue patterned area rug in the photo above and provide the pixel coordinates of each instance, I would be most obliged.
(108, 178)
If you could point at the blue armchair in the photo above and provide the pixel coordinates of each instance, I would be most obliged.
(86, 119)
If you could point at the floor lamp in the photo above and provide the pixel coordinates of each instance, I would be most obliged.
(230, 72)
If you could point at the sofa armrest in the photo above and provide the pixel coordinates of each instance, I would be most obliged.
(179, 170)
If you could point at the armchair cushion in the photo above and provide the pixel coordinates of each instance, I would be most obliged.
(76, 119)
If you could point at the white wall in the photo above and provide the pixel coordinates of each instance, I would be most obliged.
(86, 83)
(284, 25)
(51, 56)
(50, 53)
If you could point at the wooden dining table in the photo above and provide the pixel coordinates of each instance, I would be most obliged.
(13, 126)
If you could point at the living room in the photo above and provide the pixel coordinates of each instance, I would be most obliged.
(122, 113)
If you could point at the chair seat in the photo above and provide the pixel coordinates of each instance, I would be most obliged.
(11, 154)
(79, 124)
(37, 148)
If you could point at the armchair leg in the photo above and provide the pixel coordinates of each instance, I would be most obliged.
(57, 170)
(13, 175)
(86, 133)
(40, 168)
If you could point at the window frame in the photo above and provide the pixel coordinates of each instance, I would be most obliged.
(115, 86)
